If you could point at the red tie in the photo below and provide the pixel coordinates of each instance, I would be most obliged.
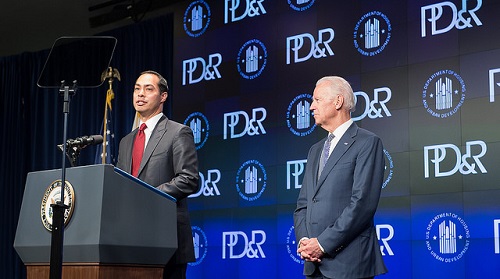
(138, 150)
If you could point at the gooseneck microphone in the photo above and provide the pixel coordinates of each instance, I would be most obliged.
(84, 141)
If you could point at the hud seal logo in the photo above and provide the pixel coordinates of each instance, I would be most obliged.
(291, 246)
(251, 180)
(372, 33)
(53, 195)
(299, 117)
(443, 94)
(300, 5)
(200, 245)
(197, 18)
(199, 124)
(447, 237)
(252, 59)
(389, 166)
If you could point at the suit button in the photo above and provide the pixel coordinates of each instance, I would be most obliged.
(315, 200)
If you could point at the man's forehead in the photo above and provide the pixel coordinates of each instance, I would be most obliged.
(147, 79)
(320, 91)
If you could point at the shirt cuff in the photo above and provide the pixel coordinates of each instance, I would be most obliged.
(300, 241)
(321, 247)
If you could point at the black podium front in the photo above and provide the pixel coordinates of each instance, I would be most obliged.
(118, 223)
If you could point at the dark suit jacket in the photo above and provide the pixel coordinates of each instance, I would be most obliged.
(169, 163)
(338, 208)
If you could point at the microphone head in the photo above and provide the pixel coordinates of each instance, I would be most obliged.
(97, 139)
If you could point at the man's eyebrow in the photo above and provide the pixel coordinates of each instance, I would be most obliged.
(145, 85)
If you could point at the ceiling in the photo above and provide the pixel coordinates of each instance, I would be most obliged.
(33, 25)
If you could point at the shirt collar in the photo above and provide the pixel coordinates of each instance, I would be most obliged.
(151, 122)
(340, 131)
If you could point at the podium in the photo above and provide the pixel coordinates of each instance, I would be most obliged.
(120, 227)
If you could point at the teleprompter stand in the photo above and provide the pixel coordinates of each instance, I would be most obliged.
(72, 62)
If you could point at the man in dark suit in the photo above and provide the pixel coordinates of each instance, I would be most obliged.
(169, 160)
(340, 192)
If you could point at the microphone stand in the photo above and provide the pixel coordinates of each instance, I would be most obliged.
(56, 252)
(72, 153)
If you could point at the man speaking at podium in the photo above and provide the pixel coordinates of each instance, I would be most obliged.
(162, 153)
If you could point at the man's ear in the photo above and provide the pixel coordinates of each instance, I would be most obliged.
(339, 102)
(164, 96)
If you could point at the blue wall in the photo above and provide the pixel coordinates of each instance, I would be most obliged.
(426, 83)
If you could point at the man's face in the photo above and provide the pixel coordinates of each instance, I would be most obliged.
(323, 105)
(148, 100)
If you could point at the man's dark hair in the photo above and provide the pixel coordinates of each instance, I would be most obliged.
(162, 84)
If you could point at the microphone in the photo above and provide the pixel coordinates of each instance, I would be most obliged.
(74, 146)
(84, 141)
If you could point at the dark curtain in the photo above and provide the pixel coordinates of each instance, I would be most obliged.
(32, 118)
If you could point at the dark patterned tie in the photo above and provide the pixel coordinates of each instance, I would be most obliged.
(138, 150)
(325, 154)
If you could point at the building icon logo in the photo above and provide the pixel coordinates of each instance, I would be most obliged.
(443, 94)
(299, 118)
(252, 59)
(200, 127)
(251, 180)
(197, 18)
(372, 33)
(447, 237)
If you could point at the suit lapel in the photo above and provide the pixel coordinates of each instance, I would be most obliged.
(315, 161)
(340, 149)
(156, 136)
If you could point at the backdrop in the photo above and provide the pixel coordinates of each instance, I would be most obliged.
(425, 74)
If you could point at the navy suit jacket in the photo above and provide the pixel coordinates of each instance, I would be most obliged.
(339, 206)
(170, 164)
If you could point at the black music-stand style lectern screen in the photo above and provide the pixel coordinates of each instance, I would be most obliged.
(80, 59)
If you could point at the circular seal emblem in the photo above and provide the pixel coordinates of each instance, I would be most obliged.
(372, 33)
(200, 127)
(447, 237)
(291, 246)
(252, 59)
(389, 166)
(299, 117)
(251, 177)
(200, 245)
(443, 94)
(300, 5)
(53, 195)
(197, 18)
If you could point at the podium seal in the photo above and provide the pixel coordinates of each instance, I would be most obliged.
(53, 195)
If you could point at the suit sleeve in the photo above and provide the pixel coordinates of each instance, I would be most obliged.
(185, 166)
(124, 158)
(358, 215)
(299, 215)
